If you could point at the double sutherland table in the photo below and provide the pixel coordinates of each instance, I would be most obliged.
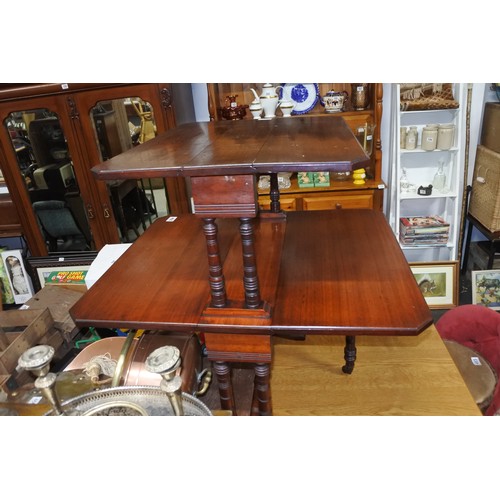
(240, 276)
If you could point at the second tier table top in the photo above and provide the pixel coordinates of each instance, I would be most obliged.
(337, 272)
(241, 147)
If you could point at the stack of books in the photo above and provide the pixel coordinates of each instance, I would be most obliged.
(423, 230)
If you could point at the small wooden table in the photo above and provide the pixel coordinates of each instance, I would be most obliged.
(338, 272)
(492, 236)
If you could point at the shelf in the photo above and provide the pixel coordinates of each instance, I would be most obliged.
(355, 119)
(415, 196)
(346, 185)
(416, 247)
(420, 166)
(420, 151)
(427, 111)
(218, 93)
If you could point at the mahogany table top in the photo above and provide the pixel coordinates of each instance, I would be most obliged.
(328, 272)
(242, 146)
(333, 272)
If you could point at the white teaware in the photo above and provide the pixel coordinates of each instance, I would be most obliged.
(256, 109)
(286, 107)
(269, 99)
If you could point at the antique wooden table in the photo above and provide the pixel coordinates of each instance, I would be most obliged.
(338, 272)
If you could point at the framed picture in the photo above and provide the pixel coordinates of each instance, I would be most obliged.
(438, 282)
(486, 288)
(59, 265)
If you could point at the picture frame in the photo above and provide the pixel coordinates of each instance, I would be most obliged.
(41, 267)
(485, 287)
(438, 282)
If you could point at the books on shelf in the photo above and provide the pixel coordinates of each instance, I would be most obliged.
(423, 230)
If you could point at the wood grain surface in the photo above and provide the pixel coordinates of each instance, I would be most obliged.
(241, 147)
(393, 376)
(339, 272)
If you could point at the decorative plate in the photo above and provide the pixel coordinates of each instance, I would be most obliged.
(304, 95)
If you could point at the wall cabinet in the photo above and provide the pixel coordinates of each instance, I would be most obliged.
(341, 193)
(415, 165)
(50, 137)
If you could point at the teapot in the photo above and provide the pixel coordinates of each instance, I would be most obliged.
(269, 99)
(334, 101)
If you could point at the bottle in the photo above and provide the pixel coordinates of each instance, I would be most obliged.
(402, 137)
(411, 138)
(403, 182)
(440, 178)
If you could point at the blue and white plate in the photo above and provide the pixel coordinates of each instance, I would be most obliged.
(304, 95)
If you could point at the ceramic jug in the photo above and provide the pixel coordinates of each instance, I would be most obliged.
(269, 99)
(256, 109)
(286, 107)
(334, 101)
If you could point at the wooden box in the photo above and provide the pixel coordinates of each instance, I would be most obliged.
(485, 195)
(20, 330)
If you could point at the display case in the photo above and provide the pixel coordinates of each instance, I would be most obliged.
(51, 135)
(362, 111)
(427, 160)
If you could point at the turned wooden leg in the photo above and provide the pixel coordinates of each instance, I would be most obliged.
(223, 374)
(250, 278)
(349, 354)
(262, 390)
(274, 194)
(215, 274)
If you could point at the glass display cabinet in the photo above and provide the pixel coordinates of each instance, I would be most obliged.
(50, 137)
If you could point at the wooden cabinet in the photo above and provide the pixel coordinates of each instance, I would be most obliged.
(81, 125)
(340, 193)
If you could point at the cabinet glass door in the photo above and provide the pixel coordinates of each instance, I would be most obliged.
(46, 167)
(119, 125)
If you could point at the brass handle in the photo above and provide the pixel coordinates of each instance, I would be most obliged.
(120, 364)
(206, 376)
(107, 213)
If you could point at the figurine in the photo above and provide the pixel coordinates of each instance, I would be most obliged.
(425, 190)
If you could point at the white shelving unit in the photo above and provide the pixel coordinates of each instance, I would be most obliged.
(420, 167)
